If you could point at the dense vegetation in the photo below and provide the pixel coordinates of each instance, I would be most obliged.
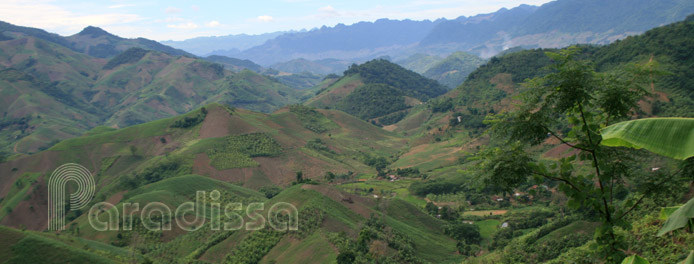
(373, 100)
(311, 119)
(407, 82)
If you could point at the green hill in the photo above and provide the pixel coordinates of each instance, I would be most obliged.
(454, 69)
(52, 92)
(377, 90)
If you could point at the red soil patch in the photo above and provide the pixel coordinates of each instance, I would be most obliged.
(216, 123)
(32, 213)
(116, 198)
(43, 162)
(560, 151)
(238, 126)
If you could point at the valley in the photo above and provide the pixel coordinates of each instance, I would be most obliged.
(427, 151)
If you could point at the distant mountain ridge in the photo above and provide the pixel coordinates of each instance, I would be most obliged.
(552, 25)
(91, 40)
(222, 45)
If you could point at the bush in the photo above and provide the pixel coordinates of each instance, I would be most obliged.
(468, 233)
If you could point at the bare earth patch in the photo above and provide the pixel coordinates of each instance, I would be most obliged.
(216, 124)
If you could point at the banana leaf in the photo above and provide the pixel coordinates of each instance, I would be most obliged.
(669, 136)
(635, 259)
(680, 218)
(690, 258)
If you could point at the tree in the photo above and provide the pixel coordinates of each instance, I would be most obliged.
(468, 233)
(133, 150)
(575, 99)
(299, 177)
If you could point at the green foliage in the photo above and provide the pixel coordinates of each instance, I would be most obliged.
(680, 218)
(467, 233)
(373, 100)
(255, 145)
(254, 246)
(319, 145)
(506, 168)
(167, 168)
(377, 162)
(230, 159)
(575, 96)
(237, 150)
(524, 219)
(635, 259)
(375, 229)
(408, 82)
(191, 121)
(670, 137)
(270, 191)
(129, 56)
(435, 186)
(310, 118)
(392, 118)
(440, 105)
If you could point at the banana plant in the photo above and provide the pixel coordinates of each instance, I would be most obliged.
(671, 137)
(668, 136)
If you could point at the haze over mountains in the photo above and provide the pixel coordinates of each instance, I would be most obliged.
(555, 24)
(385, 161)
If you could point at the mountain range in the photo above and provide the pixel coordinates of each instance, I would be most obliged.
(60, 87)
(551, 25)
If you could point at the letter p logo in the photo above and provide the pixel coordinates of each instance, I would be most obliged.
(57, 184)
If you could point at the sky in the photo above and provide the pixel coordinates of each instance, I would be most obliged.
(184, 19)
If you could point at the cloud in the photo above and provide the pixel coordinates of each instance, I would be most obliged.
(213, 24)
(265, 18)
(189, 25)
(54, 18)
(328, 11)
(171, 10)
(121, 6)
(195, 8)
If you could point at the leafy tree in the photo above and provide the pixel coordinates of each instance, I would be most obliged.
(468, 233)
(299, 177)
(575, 97)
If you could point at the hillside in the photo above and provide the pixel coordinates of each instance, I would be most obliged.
(209, 149)
(234, 64)
(377, 90)
(54, 93)
(378, 165)
(454, 69)
(321, 67)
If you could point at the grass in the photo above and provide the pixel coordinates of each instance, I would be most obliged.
(424, 230)
(485, 212)
(583, 227)
(18, 192)
(311, 249)
(487, 228)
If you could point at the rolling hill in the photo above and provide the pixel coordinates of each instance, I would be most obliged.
(53, 92)
(91, 40)
(377, 90)
(243, 155)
